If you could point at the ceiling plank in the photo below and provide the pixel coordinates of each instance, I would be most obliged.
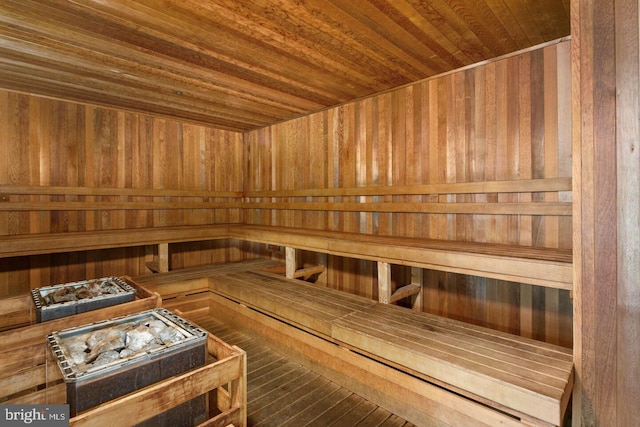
(244, 65)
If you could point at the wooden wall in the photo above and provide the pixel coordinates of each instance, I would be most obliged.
(504, 120)
(66, 146)
(606, 132)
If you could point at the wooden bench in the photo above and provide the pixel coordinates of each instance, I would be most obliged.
(47, 243)
(536, 266)
(526, 378)
(523, 380)
(547, 197)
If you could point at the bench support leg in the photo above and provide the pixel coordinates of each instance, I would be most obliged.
(416, 279)
(384, 282)
(163, 257)
(158, 260)
(290, 261)
(323, 261)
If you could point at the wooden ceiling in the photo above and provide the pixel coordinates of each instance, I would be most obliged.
(241, 65)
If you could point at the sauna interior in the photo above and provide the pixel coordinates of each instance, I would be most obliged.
(383, 213)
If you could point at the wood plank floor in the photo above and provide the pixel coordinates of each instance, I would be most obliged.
(284, 393)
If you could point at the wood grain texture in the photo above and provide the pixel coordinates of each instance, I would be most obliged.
(628, 208)
(423, 345)
(391, 156)
(605, 64)
(242, 66)
(76, 168)
(356, 129)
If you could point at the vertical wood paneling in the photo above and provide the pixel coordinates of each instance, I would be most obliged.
(606, 86)
(56, 143)
(498, 121)
(628, 216)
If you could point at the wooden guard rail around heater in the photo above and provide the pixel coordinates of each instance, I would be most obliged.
(29, 375)
(476, 368)
(18, 316)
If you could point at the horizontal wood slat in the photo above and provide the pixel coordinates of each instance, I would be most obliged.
(122, 192)
(511, 186)
(16, 311)
(116, 205)
(549, 208)
(8, 202)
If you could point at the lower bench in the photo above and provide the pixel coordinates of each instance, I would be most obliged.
(528, 379)
(524, 380)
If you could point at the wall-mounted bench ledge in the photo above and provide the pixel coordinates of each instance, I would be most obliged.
(47, 243)
(537, 266)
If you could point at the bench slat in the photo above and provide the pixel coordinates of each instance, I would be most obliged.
(494, 339)
(467, 353)
(301, 303)
(536, 403)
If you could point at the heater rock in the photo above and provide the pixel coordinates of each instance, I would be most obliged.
(139, 338)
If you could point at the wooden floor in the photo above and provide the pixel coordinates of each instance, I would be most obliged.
(284, 393)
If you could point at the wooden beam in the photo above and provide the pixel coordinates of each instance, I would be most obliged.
(404, 292)
(290, 261)
(307, 272)
(163, 257)
(20, 206)
(417, 279)
(384, 282)
(530, 208)
(512, 186)
(118, 192)
(323, 261)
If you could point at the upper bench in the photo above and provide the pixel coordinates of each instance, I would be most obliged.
(536, 266)
(524, 264)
